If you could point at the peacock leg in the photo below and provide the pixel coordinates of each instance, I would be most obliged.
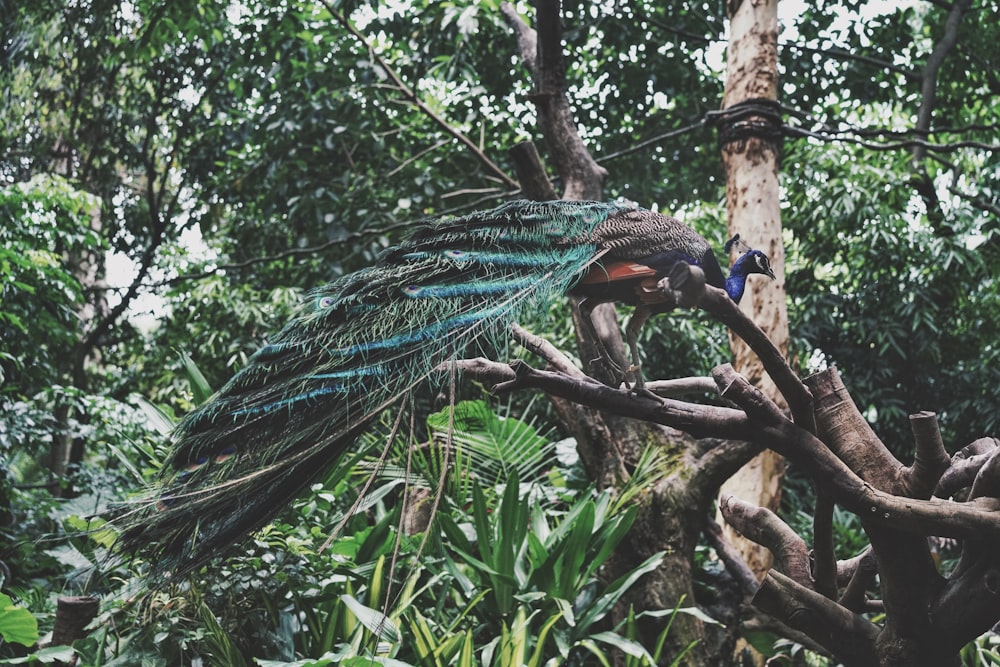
(586, 307)
(632, 329)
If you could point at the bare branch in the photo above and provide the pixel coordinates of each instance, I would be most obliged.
(682, 386)
(824, 557)
(928, 89)
(930, 460)
(965, 466)
(547, 351)
(535, 184)
(732, 559)
(848, 435)
(763, 526)
(798, 397)
(582, 177)
(864, 570)
(846, 635)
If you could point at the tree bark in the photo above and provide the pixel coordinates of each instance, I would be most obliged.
(750, 158)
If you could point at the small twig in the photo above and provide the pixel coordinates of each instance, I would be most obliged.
(415, 100)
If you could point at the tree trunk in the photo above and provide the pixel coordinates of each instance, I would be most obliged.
(88, 268)
(748, 133)
(671, 516)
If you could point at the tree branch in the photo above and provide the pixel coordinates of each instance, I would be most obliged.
(581, 176)
(763, 526)
(930, 460)
(731, 558)
(846, 635)
(928, 89)
(415, 100)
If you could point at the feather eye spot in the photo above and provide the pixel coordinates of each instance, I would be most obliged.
(225, 454)
(198, 463)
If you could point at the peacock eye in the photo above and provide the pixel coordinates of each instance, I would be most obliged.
(411, 290)
(456, 254)
(326, 302)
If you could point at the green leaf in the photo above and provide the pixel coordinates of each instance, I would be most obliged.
(375, 621)
(199, 385)
(47, 655)
(17, 625)
(628, 646)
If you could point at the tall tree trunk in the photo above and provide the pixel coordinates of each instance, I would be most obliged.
(671, 515)
(88, 268)
(749, 134)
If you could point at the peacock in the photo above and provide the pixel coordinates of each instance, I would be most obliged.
(359, 344)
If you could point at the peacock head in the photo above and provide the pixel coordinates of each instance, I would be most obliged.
(751, 261)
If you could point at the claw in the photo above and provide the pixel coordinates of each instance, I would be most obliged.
(645, 393)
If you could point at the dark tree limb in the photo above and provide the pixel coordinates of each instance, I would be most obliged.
(800, 401)
(977, 518)
(863, 570)
(535, 183)
(539, 346)
(581, 176)
(824, 557)
(928, 87)
(930, 460)
(763, 526)
(843, 633)
(965, 465)
(731, 558)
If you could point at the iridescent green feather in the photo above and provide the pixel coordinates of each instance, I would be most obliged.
(355, 347)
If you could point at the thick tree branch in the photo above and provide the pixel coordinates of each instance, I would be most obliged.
(732, 559)
(863, 570)
(928, 88)
(824, 557)
(965, 465)
(977, 518)
(581, 176)
(535, 183)
(798, 397)
(930, 460)
(844, 634)
(763, 526)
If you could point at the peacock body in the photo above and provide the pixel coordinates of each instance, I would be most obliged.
(361, 343)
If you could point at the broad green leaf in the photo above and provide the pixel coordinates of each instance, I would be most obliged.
(17, 625)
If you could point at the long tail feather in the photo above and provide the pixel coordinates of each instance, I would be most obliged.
(355, 347)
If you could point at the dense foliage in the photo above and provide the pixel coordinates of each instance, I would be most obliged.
(174, 175)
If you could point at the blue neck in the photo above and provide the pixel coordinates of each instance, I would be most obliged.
(736, 283)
